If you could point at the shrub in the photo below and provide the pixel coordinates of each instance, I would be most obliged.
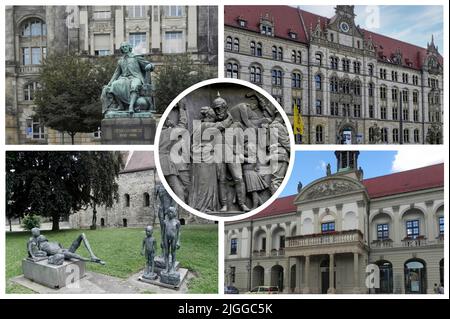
(31, 221)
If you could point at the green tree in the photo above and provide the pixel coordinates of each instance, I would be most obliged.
(56, 184)
(102, 170)
(177, 73)
(69, 96)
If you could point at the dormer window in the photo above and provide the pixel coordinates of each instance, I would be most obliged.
(292, 35)
(242, 23)
(267, 30)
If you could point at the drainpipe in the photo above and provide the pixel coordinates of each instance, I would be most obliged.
(401, 117)
(249, 283)
(309, 95)
(423, 105)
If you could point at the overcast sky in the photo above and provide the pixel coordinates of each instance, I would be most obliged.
(413, 24)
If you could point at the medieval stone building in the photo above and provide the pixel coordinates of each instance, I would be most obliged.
(351, 85)
(322, 239)
(32, 32)
(137, 205)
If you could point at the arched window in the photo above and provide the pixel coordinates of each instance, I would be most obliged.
(229, 44)
(255, 74)
(318, 80)
(252, 48)
(232, 70)
(296, 80)
(259, 49)
(274, 52)
(299, 57)
(146, 200)
(33, 27)
(318, 106)
(277, 77)
(370, 67)
(319, 134)
(370, 88)
(236, 45)
(415, 277)
(416, 136)
(357, 88)
(127, 200)
(319, 58)
(386, 277)
(294, 56)
(384, 135)
(334, 85)
(406, 135)
(395, 135)
(280, 53)
(29, 89)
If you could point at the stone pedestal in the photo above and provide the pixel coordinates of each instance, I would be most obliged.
(54, 276)
(170, 278)
(170, 281)
(128, 130)
(160, 265)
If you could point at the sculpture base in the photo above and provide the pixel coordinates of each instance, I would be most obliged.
(151, 276)
(54, 276)
(160, 265)
(131, 130)
(182, 275)
(170, 278)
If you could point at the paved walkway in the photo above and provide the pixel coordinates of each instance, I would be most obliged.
(95, 283)
(44, 226)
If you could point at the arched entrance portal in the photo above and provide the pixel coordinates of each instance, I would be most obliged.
(386, 277)
(257, 276)
(276, 277)
(415, 277)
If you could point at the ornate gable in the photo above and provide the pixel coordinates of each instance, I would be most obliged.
(328, 187)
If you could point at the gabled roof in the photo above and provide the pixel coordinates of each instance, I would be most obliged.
(286, 17)
(397, 183)
(406, 181)
(139, 161)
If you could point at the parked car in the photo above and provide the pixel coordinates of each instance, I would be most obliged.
(231, 290)
(265, 290)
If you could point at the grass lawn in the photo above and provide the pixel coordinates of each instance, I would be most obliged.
(120, 249)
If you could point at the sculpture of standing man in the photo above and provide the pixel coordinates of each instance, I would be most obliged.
(129, 86)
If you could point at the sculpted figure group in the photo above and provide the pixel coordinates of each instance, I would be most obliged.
(252, 132)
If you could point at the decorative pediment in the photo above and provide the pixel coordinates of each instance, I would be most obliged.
(329, 187)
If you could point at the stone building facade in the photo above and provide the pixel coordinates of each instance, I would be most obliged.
(322, 239)
(137, 205)
(350, 85)
(32, 32)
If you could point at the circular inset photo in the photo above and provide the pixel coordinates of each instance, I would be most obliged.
(223, 149)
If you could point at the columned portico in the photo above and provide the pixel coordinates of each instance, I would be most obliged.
(331, 289)
(331, 256)
(356, 289)
(307, 267)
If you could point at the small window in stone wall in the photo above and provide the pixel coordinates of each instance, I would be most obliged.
(127, 200)
(146, 200)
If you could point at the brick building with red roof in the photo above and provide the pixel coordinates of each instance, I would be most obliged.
(351, 85)
(322, 239)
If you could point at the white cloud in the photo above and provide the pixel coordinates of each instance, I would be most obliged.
(322, 166)
(412, 158)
